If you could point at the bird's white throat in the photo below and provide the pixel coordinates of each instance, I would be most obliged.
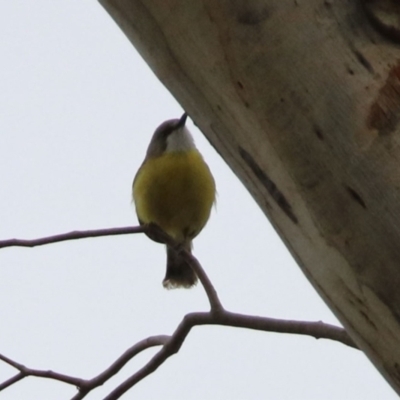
(180, 140)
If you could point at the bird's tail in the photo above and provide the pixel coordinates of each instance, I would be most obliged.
(179, 273)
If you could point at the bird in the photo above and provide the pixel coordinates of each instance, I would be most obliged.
(175, 190)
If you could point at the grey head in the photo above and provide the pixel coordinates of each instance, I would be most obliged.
(171, 136)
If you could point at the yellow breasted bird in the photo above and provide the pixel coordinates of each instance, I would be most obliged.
(175, 190)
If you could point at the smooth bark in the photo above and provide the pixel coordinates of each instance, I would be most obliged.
(302, 100)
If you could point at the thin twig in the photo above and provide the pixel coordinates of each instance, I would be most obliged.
(318, 329)
(71, 236)
(12, 380)
(215, 303)
(170, 348)
(117, 365)
(226, 318)
(170, 344)
(84, 386)
(153, 230)
(25, 371)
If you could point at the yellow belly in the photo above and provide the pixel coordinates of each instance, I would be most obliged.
(175, 191)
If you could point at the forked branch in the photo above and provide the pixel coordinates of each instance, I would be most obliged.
(170, 344)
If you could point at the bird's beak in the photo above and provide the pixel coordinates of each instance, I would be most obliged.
(182, 121)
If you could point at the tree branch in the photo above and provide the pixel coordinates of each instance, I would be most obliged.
(25, 371)
(11, 381)
(170, 344)
(84, 386)
(226, 318)
(115, 367)
(71, 236)
(155, 232)
(151, 230)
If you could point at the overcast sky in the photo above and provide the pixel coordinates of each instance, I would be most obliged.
(77, 109)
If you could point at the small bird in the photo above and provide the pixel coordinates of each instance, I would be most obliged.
(175, 190)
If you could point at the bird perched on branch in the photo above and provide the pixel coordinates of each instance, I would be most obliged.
(175, 190)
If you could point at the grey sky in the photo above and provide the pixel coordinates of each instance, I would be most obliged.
(77, 109)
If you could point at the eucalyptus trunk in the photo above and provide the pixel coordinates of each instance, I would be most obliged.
(302, 100)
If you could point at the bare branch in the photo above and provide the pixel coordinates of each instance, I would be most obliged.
(170, 348)
(226, 318)
(12, 380)
(155, 232)
(170, 344)
(25, 371)
(318, 330)
(84, 386)
(114, 368)
(215, 303)
(71, 236)
(152, 230)
(11, 362)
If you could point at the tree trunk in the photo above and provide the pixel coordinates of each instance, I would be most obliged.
(302, 100)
